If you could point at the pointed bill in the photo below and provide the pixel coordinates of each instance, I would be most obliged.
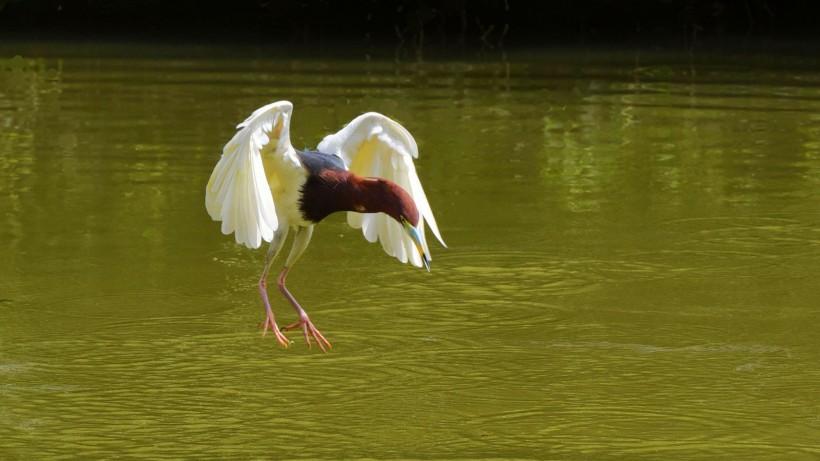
(416, 236)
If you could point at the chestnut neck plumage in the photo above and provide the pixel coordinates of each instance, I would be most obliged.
(332, 190)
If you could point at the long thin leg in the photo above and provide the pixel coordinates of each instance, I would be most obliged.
(270, 322)
(300, 242)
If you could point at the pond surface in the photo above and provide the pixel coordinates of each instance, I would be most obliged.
(633, 266)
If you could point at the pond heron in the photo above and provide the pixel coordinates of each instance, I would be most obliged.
(262, 186)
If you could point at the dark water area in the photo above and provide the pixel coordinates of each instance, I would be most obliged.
(632, 271)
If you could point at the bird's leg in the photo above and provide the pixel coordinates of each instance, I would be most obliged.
(304, 321)
(270, 321)
(300, 242)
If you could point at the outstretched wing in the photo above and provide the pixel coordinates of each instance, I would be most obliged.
(238, 193)
(373, 145)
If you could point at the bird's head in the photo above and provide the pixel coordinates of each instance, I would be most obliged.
(399, 205)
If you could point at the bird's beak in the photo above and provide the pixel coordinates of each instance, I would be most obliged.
(414, 234)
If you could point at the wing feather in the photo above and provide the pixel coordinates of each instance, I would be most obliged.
(238, 192)
(373, 145)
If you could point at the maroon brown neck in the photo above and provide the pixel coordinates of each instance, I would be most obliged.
(338, 190)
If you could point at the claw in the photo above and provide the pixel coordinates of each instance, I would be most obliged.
(269, 322)
(308, 330)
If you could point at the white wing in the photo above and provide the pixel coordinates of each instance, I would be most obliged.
(373, 145)
(238, 193)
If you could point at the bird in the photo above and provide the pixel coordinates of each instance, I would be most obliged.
(261, 187)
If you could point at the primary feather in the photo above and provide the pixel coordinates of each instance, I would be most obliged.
(238, 192)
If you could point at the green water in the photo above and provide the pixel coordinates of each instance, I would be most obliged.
(633, 270)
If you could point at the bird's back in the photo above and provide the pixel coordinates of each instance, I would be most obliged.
(315, 162)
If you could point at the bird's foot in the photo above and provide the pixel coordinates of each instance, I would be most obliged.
(269, 322)
(310, 331)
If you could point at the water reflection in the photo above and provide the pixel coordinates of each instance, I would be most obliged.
(631, 273)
